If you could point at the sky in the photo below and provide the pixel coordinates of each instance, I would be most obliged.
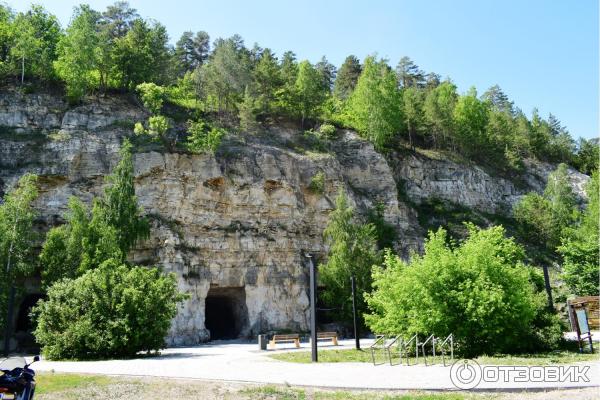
(542, 53)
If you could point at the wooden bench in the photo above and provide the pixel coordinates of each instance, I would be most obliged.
(294, 337)
(328, 336)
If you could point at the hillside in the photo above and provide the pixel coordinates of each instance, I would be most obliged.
(234, 224)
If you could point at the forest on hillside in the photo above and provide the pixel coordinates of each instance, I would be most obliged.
(115, 50)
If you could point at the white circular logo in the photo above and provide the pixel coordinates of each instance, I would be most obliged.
(465, 374)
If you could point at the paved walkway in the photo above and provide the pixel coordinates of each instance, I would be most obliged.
(230, 361)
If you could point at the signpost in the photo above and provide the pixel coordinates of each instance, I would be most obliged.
(582, 327)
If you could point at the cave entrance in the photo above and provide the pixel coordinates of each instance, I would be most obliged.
(24, 323)
(225, 312)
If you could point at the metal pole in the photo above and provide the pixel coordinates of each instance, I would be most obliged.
(548, 288)
(356, 337)
(8, 327)
(313, 309)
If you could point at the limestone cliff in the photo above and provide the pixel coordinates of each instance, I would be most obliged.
(239, 221)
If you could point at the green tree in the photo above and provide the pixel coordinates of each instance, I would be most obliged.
(352, 252)
(247, 113)
(223, 79)
(498, 100)
(580, 246)
(266, 81)
(77, 54)
(439, 110)
(141, 55)
(310, 92)
(470, 120)
(413, 100)
(191, 50)
(203, 138)
(347, 77)
(409, 74)
(548, 215)
(36, 35)
(17, 237)
(479, 290)
(6, 38)
(120, 208)
(112, 311)
(587, 158)
(374, 108)
(152, 96)
(286, 94)
(84, 242)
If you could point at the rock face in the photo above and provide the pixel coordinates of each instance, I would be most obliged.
(233, 227)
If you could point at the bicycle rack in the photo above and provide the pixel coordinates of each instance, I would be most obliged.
(449, 340)
(387, 345)
(404, 348)
(432, 339)
(379, 339)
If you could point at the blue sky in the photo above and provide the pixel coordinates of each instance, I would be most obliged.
(543, 53)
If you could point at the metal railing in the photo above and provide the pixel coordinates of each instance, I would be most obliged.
(448, 342)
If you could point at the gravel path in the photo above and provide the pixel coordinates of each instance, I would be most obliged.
(242, 362)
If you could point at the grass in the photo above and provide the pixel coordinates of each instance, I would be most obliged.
(282, 393)
(353, 355)
(57, 382)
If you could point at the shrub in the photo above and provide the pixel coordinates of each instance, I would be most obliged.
(479, 290)
(112, 311)
(152, 96)
(327, 131)
(317, 183)
(203, 138)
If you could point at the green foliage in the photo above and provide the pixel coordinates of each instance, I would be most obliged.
(152, 96)
(84, 242)
(17, 238)
(470, 119)
(317, 183)
(385, 232)
(478, 290)
(548, 215)
(119, 205)
(247, 113)
(327, 130)
(347, 77)
(309, 92)
(36, 34)
(77, 54)
(588, 156)
(191, 51)
(88, 239)
(580, 247)
(439, 110)
(374, 106)
(141, 55)
(203, 138)
(352, 252)
(222, 80)
(112, 311)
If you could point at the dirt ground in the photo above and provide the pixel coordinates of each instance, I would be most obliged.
(154, 388)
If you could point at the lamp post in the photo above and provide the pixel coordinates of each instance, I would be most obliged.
(313, 308)
(354, 319)
(11, 297)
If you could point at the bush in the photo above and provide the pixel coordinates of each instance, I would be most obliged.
(203, 138)
(112, 311)
(317, 183)
(327, 131)
(479, 291)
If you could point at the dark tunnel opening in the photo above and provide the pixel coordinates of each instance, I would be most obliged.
(225, 313)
